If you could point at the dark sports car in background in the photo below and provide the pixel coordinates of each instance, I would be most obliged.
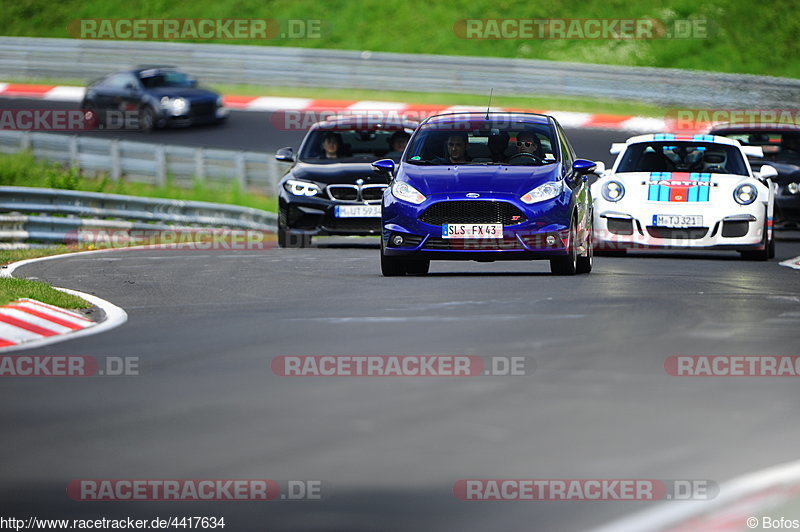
(150, 97)
(781, 146)
(485, 187)
(332, 189)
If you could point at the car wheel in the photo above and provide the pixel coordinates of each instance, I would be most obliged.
(584, 264)
(771, 247)
(760, 254)
(567, 265)
(147, 120)
(418, 267)
(288, 239)
(392, 266)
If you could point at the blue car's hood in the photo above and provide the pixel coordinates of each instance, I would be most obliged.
(482, 179)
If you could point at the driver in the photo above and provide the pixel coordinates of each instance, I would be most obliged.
(528, 142)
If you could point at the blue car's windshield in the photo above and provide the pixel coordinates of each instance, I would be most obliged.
(515, 143)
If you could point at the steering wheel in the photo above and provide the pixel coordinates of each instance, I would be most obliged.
(525, 155)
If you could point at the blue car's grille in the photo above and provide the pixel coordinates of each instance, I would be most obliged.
(472, 212)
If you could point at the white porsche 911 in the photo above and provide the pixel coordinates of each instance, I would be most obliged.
(687, 192)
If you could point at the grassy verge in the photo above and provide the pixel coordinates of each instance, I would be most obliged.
(12, 289)
(24, 170)
(747, 36)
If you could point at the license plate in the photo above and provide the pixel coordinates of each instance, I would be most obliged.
(358, 211)
(677, 220)
(472, 230)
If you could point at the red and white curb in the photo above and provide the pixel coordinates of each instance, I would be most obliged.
(27, 323)
(739, 506)
(791, 263)
(26, 320)
(568, 119)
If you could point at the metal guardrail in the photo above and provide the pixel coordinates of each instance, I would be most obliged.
(149, 163)
(48, 216)
(307, 67)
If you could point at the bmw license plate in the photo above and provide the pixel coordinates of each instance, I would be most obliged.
(358, 211)
(472, 230)
(677, 220)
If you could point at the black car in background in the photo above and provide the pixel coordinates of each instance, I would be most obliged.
(781, 146)
(332, 189)
(150, 97)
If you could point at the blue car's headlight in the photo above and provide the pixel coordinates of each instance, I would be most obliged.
(613, 191)
(301, 188)
(406, 192)
(745, 194)
(544, 192)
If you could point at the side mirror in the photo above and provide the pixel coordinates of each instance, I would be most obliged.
(193, 83)
(130, 87)
(582, 166)
(767, 172)
(599, 169)
(384, 167)
(285, 154)
(617, 148)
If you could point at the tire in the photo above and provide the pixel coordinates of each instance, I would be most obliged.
(567, 265)
(418, 267)
(288, 239)
(584, 264)
(147, 120)
(392, 266)
(771, 247)
(761, 254)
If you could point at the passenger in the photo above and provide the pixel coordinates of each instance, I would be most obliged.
(331, 145)
(397, 144)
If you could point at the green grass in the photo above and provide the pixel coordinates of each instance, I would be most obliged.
(746, 36)
(13, 255)
(24, 170)
(12, 289)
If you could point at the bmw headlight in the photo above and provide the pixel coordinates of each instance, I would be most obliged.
(549, 190)
(745, 194)
(613, 191)
(406, 192)
(301, 188)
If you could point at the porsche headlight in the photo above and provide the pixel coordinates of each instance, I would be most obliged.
(745, 194)
(406, 192)
(613, 191)
(549, 190)
(301, 188)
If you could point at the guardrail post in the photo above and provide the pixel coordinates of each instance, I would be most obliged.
(25, 141)
(200, 164)
(161, 166)
(241, 170)
(116, 168)
(74, 156)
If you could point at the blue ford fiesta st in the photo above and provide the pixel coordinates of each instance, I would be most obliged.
(486, 187)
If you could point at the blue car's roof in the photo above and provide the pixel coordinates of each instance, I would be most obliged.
(479, 118)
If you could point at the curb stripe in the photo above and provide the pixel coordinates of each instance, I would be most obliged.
(60, 310)
(568, 119)
(26, 326)
(47, 317)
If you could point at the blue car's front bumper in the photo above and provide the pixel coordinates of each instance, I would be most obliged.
(543, 234)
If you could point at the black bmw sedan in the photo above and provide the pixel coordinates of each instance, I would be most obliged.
(331, 188)
(150, 97)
